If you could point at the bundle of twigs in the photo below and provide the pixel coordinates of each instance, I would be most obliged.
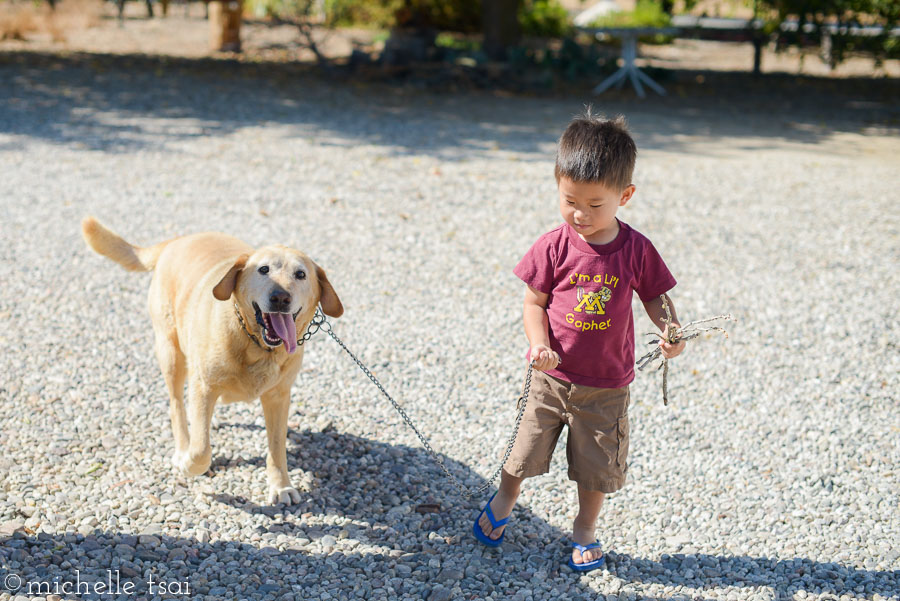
(674, 335)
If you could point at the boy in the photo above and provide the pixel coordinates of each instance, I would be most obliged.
(578, 321)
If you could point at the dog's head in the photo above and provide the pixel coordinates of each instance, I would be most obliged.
(281, 287)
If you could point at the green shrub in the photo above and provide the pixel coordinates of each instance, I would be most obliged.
(544, 18)
(540, 18)
(367, 13)
(647, 13)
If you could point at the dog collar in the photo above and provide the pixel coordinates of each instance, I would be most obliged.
(240, 317)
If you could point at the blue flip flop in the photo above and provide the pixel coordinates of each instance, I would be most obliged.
(495, 523)
(589, 565)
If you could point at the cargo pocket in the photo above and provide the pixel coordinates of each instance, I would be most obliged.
(622, 442)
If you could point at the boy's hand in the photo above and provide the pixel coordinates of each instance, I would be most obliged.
(545, 358)
(668, 350)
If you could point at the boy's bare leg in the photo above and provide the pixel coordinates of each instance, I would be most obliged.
(502, 504)
(584, 527)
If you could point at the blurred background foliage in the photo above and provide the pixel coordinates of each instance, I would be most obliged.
(549, 19)
(539, 18)
(646, 13)
(832, 26)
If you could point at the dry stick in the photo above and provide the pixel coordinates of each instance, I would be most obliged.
(665, 381)
(670, 338)
(674, 336)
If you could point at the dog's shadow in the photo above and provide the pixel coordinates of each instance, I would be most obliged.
(362, 479)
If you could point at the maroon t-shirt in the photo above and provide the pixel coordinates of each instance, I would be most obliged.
(589, 307)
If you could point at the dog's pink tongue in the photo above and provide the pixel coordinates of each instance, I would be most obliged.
(286, 330)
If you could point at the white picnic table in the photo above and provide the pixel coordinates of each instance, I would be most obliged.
(629, 70)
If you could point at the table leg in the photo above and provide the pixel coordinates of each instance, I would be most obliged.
(629, 51)
(634, 75)
(616, 78)
(651, 84)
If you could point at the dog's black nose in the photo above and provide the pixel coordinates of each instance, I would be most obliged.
(279, 301)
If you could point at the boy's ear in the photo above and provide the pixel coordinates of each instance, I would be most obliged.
(225, 287)
(627, 193)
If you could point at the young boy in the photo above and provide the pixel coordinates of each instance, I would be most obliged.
(578, 321)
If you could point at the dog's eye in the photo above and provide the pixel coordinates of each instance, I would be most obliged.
(264, 269)
(300, 274)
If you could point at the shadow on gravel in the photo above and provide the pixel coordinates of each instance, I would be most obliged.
(370, 487)
(783, 576)
(373, 488)
(124, 103)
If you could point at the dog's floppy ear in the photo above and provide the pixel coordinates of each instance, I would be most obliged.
(331, 304)
(226, 285)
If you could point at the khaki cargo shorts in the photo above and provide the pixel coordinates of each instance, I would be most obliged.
(597, 445)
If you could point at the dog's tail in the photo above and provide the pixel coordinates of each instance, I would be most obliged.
(108, 244)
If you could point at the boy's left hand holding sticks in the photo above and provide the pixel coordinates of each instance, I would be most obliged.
(657, 313)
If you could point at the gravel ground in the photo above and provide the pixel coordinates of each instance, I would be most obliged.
(772, 474)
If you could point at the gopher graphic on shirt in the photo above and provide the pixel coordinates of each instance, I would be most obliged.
(591, 302)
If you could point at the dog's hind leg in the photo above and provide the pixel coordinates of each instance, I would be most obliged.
(174, 369)
(201, 402)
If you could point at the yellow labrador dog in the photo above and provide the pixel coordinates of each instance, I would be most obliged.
(225, 318)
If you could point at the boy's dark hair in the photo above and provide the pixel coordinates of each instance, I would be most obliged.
(596, 150)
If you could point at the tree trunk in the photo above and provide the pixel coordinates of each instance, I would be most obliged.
(500, 23)
(225, 25)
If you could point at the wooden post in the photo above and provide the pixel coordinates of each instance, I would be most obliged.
(225, 25)
(757, 37)
(757, 53)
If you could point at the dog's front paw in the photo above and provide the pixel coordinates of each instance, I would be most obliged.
(189, 465)
(287, 495)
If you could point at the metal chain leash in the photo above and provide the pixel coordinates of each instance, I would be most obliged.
(319, 321)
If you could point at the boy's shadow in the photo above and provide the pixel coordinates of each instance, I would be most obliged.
(383, 520)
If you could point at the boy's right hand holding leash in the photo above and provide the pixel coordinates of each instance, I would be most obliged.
(544, 357)
(536, 322)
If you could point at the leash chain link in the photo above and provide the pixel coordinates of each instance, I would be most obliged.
(320, 322)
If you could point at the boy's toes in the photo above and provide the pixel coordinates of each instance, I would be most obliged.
(586, 557)
(485, 524)
(591, 555)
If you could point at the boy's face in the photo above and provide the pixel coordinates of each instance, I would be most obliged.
(590, 208)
